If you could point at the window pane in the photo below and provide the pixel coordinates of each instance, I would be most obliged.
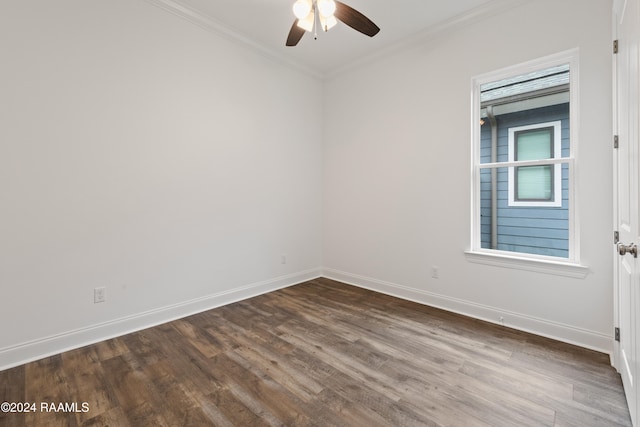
(534, 183)
(535, 230)
(534, 145)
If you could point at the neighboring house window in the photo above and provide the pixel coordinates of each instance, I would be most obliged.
(539, 184)
(524, 140)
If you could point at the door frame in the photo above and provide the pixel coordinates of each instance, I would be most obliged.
(614, 158)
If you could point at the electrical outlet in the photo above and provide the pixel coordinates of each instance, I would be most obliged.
(99, 295)
(283, 259)
(435, 272)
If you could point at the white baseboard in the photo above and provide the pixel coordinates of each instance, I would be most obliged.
(51, 345)
(37, 349)
(546, 328)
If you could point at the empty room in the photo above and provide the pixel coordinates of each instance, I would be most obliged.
(319, 212)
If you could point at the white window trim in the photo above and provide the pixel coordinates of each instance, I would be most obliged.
(551, 265)
(557, 172)
(548, 265)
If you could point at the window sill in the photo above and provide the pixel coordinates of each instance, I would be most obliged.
(506, 260)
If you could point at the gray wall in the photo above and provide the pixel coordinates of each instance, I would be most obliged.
(397, 173)
(141, 153)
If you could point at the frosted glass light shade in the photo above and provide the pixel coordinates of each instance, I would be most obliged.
(301, 8)
(326, 8)
(307, 22)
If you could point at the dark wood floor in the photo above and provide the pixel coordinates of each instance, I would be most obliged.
(322, 353)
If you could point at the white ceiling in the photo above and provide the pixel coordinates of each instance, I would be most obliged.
(264, 25)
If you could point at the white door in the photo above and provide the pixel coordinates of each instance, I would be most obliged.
(627, 116)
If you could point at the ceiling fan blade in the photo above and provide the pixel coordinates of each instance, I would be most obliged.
(355, 19)
(295, 34)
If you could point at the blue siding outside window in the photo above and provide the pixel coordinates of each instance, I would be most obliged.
(533, 230)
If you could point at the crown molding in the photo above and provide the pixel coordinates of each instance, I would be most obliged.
(430, 34)
(211, 25)
(208, 23)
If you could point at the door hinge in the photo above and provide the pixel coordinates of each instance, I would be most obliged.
(617, 334)
(616, 141)
(615, 46)
(616, 237)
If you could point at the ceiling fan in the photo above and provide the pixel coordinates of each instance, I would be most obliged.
(327, 13)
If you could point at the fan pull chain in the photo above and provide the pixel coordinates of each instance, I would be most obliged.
(316, 18)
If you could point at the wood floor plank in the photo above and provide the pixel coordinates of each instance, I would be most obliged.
(110, 348)
(343, 362)
(46, 382)
(210, 407)
(347, 411)
(12, 389)
(111, 418)
(437, 393)
(277, 366)
(323, 353)
(196, 338)
(258, 390)
(517, 380)
(93, 388)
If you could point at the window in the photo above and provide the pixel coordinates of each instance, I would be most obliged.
(537, 185)
(523, 160)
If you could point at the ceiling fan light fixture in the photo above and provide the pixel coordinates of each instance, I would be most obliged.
(306, 23)
(302, 8)
(326, 8)
(305, 11)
